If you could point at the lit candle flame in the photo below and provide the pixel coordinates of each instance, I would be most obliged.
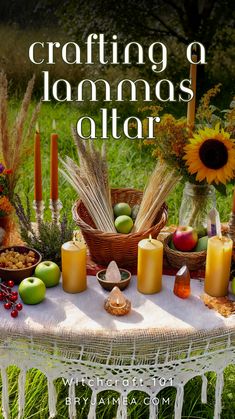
(37, 127)
(150, 237)
(54, 125)
(116, 298)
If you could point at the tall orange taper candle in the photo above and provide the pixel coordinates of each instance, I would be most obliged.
(234, 201)
(192, 103)
(37, 166)
(54, 165)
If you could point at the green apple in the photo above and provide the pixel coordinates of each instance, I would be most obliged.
(124, 224)
(233, 286)
(201, 244)
(122, 208)
(171, 245)
(134, 211)
(48, 272)
(32, 290)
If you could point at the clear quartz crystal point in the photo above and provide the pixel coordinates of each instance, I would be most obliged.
(113, 273)
(213, 224)
(117, 298)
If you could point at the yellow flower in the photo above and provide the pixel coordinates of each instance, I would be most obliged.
(211, 156)
(204, 110)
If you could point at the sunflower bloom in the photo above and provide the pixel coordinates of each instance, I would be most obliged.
(210, 155)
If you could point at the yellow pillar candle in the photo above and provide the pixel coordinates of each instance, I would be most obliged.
(218, 265)
(150, 262)
(73, 256)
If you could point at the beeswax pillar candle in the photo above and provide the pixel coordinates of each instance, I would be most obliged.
(74, 255)
(150, 262)
(218, 265)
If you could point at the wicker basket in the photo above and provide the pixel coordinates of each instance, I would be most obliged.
(105, 247)
(193, 260)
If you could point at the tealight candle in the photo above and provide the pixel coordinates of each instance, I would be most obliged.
(116, 298)
(150, 263)
(218, 265)
(117, 304)
(73, 256)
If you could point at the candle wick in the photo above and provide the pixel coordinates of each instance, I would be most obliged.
(76, 239)
(54, 125)
(37, 128)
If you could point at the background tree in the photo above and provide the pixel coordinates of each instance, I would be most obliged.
(176, 22)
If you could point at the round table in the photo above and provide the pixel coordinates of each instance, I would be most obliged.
(163, 341)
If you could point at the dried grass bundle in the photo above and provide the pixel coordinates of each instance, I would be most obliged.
(160, 184)
(91, 181)
(14, 139)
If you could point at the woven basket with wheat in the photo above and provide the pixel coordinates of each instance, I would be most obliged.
(93, 212)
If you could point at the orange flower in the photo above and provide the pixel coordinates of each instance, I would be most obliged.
(5, 206)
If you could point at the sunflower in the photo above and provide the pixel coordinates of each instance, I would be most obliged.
(210, 155)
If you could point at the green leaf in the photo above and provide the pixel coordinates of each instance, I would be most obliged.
(221, 189)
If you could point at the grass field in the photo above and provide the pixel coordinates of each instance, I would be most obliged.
(130, 165)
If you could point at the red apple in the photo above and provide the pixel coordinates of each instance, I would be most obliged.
(185, 238)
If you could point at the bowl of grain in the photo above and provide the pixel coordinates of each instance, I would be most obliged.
(18, 262)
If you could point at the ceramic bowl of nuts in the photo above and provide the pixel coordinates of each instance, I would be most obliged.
(18, 262)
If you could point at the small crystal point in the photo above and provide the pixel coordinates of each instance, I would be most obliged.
(183, 273)
(117, 298)
(213, 224)
(182, 283)
(113, 273)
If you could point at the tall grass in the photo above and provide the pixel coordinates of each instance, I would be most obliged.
(36, 404)
(14, 58)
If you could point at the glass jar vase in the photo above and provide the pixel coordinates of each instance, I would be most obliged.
(197, 201)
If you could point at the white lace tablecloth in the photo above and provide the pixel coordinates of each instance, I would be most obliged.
(163, 340)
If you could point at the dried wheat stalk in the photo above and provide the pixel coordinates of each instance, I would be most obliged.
(90, 180)
(160, 184)
(14, 139)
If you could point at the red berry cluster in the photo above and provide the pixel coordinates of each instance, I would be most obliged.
(10, 298)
